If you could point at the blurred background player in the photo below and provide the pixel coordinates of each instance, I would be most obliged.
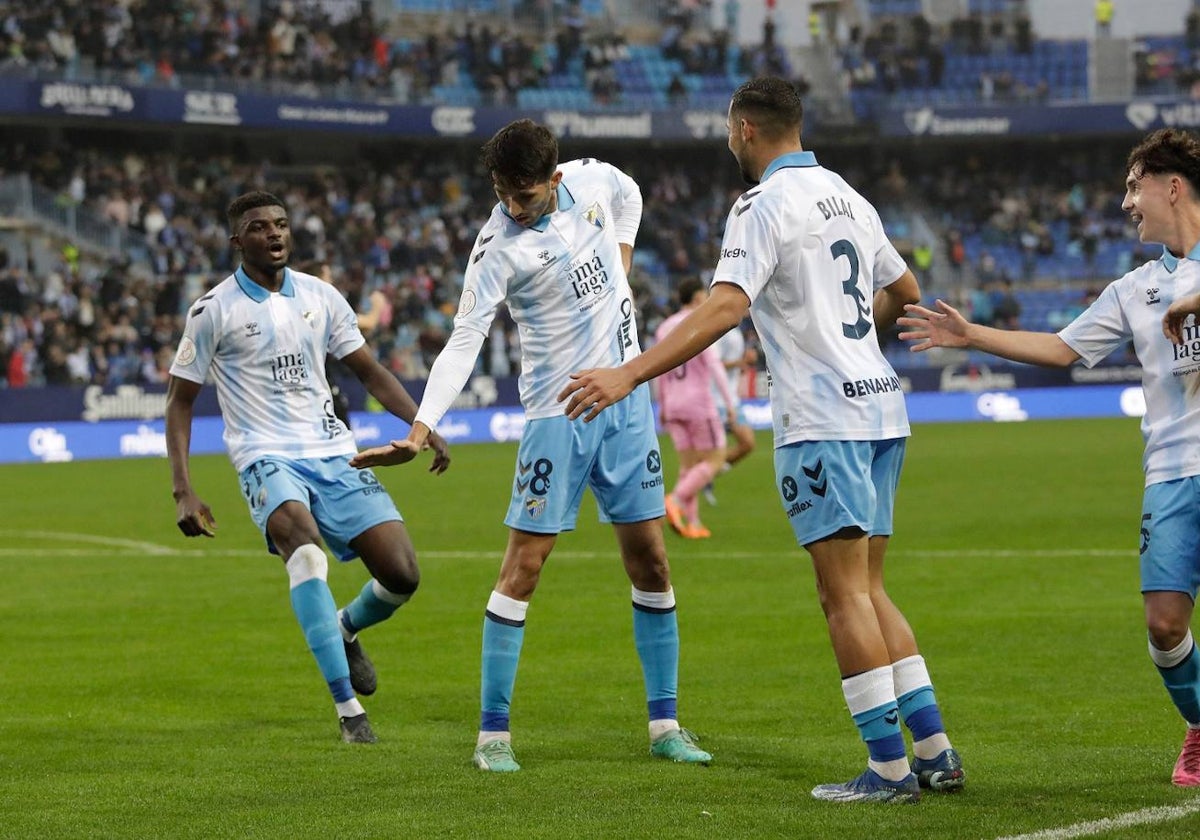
(737, 357)
(689, 413)
(557, 250)
(263, 335)
(808, 258)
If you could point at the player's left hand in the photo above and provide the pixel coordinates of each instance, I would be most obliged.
(1172, 324)
(441, 453)
(594, 390)
(396, 452)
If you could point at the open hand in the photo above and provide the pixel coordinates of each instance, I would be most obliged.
(945, 327)
(396, 452)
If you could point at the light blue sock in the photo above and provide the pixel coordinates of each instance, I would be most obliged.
(656, 636)
(503, 634)
(317, 613)
(1180, 670)
(371, 606)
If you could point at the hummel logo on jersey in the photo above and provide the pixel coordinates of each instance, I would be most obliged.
(1152, 297)
(522, 469)
(253, 329)
(746, 198)
(308, 317)
(547, 258)
(482, 250)
(817, 474)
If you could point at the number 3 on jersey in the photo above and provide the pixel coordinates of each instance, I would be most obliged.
(845, 248)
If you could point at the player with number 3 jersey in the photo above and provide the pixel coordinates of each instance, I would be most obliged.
(807, 256)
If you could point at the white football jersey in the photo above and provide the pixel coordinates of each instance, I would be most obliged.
(810, 253)
(265, 352)
(1132, 309)
(564, 284)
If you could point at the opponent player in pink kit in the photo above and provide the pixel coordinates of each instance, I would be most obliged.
(690, 415)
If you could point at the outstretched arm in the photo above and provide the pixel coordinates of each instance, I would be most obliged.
(395, 398)
(593, 390)
(946, 327)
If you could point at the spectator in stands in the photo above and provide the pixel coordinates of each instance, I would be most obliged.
(1006, 307)
(1104, 10)
(676, 91)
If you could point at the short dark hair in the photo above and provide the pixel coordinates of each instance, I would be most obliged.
(523, 152)
(689, 287)
(1168, 150)
(772, 103)
(249, 201)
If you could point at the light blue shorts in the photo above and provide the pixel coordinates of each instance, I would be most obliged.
(344, 501)
(1170, 545)
(616, 455)
(828, 485)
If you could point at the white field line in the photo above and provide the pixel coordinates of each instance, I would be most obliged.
(1146, 816)
(58, 544)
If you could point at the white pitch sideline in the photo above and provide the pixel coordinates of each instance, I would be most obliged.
(1146, 816)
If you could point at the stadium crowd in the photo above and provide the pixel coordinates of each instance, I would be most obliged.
(396, 234)
(340, 47)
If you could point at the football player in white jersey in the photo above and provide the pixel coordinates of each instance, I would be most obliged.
(737, 357)
(807, 256)
(262, 336)
(557, 250)
(1152, 307)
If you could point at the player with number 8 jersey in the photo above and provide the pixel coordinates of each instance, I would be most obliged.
(557, 250)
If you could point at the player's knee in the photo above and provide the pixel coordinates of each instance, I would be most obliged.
(1165, 631)
(306, 563)
(402, 577)
(650, 571)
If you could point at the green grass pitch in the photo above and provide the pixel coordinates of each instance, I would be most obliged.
(158, 687)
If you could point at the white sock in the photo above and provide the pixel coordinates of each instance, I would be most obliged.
(347, 636)
(350, 708)
(896, 770)
(661, 727)
(931, 747)
(488, 737)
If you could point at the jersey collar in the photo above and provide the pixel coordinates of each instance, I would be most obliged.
(256, 292)
(788, 160)
(565, 202)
